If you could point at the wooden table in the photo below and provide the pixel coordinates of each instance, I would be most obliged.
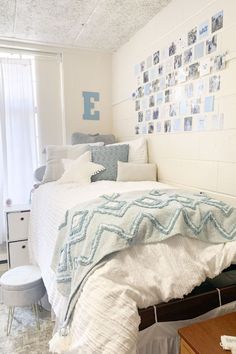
(204, 337)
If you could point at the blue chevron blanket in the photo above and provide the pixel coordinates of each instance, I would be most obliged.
(93, 231)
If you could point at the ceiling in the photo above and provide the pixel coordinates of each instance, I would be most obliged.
(95, 24)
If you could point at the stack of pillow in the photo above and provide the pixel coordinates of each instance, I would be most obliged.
(94, 161)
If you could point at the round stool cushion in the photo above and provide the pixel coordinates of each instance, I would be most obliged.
(22, 286)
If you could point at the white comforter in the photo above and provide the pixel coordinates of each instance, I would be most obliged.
(105, 319)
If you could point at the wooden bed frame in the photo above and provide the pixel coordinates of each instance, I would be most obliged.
(202, 299)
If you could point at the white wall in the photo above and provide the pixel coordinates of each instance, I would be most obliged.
(202, 160)
(87, 71)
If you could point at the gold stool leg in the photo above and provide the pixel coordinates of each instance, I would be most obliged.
(10, 319)
(36, 313)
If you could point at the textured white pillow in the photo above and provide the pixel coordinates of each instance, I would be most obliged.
(80, 170)
(137, 150)
(136, 172)
(55, 154)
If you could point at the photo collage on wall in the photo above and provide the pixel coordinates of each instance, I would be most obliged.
(176, 85)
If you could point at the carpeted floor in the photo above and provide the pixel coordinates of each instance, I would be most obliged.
(24, 337)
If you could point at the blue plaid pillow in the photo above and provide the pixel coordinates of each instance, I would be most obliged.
(108, 156)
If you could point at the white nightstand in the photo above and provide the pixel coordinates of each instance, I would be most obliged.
(17, 221)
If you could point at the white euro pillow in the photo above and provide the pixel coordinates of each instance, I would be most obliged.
(80, 170)
(137, 150)
(128, 172)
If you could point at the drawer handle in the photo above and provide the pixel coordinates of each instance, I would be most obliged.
(22, 219)
(23, 246)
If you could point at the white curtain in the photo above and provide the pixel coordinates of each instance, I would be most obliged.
(18, 156)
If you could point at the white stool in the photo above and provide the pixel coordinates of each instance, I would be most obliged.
(22, 286)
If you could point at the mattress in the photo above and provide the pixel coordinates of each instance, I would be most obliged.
(138, 277)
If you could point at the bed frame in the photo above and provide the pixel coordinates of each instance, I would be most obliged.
(202, 299)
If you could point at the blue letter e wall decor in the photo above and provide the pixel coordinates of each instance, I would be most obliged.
(89, 99)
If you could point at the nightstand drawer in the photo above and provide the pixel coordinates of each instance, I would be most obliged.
(185, 348)
(18, 253)
(18, 225)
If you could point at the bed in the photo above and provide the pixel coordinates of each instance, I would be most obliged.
(106, 318)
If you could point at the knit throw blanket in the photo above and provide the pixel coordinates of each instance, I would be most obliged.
(93, 231)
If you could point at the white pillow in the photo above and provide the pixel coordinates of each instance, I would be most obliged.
(80, 170)
(55, 154)
(137, 150)
(136, 172)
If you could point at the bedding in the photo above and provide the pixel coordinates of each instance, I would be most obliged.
(108, 156)
(141, 276)
(128, 171)
(82, 138)
(80, 170)
(137, 150)
(55, 154)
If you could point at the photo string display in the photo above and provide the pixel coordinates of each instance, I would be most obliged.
(176, 85)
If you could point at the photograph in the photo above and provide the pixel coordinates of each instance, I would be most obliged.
(181, 75)
(140, 117)
(167, 126)
(151, 101)
(214, 83)
(134, 95)
(172, 49)
(155, 85)
(148, 115)
(183, 108)
(158, 127)
(177, 125)
(170, 79)
(145, 77)
(167, 96)
(199, 50)
(195, 106)
(211, 44)
(169, 65)
(182, 42)
(189, 90)
(173, 110)
(147, 89)
(188, 121)
(178, 61)
(140, 92)
(160, 70)
(144, 128)
(188, 56)
(142, 66)
(192, 36)
(217, 21)
(193, 71)
(137, 129)
(205, 67)
(203, 30)
(217, 121)
(159, 98)
(219, 62)
(153, 73)
(199, 88)
(137, 105)
(144, 103)
(162, 83)
(209, 103)
(155, 113)
(150, 128)
(201, 123)
(156, 57)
